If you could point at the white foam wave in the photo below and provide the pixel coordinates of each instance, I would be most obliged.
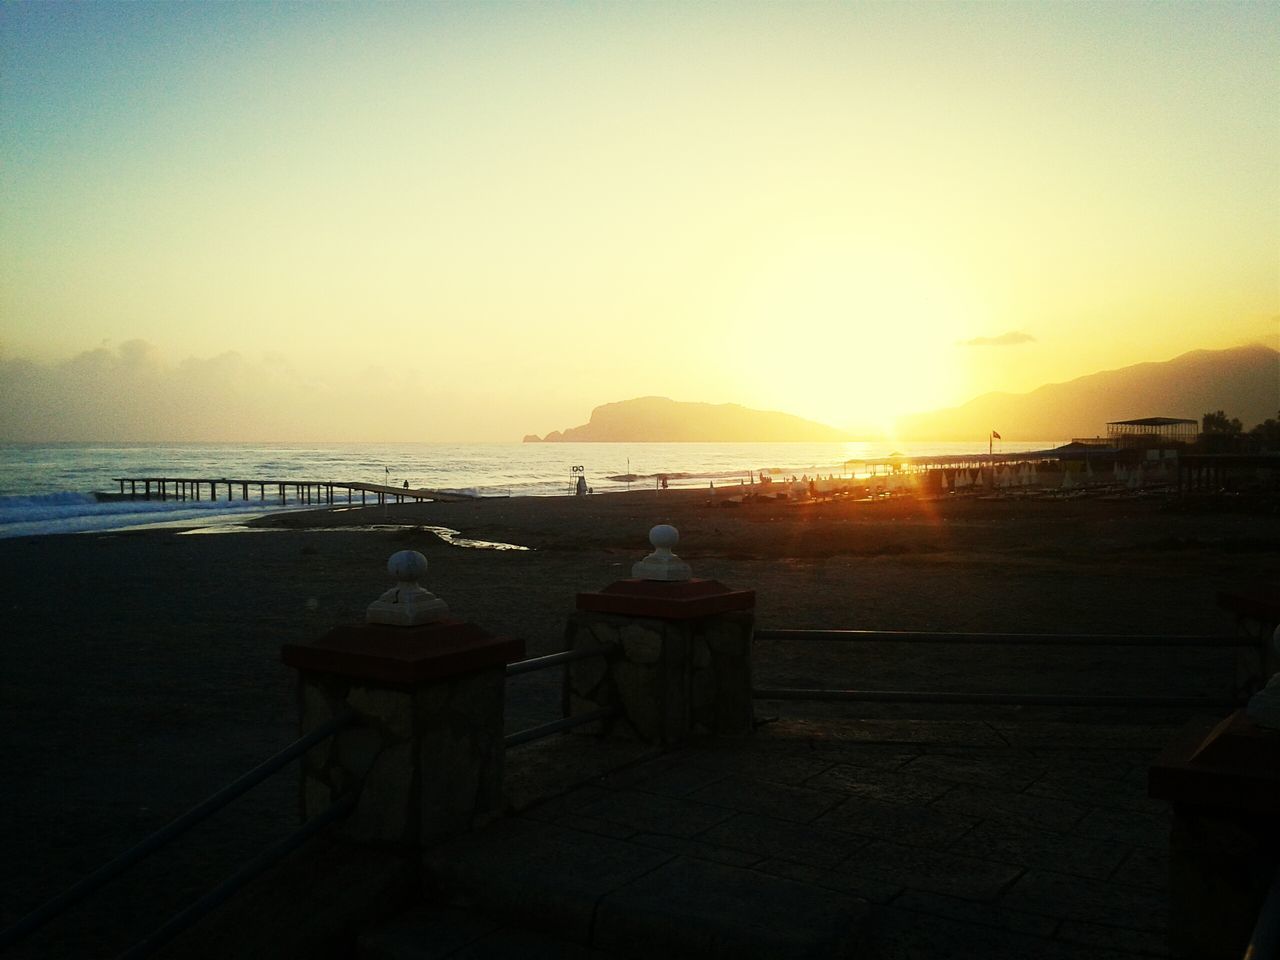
(25, 516)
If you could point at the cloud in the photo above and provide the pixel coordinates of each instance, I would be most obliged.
(130, 393)
(1011, 339)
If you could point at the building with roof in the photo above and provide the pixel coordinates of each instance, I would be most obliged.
(1152, 431)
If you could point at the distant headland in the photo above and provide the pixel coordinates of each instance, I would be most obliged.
(661, 420)
(1241, 380)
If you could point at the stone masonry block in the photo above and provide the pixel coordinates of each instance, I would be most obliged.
(642, 644)
(607, 633)
(677, 644)
(585, 675)
(316, 707)
(704, 699)
(355, 750)
(316, 796)
(479, 697)
(674, 675)
(576, 705)
(490, 795)
(392, 710)
(450, 781)
(426, 749)
(727, 638)
(429, 703)
(385, 806)
(639, 691)
(579, 705)
(701, 653)
(674, 683)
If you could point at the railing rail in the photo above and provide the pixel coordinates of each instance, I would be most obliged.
(1009, 639)
(144, 848)
(564, 723)
(960, 697)
(1000, 639)
(555, 726)
(551, 660)
(223, 892)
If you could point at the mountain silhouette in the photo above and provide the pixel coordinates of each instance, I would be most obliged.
(1242, 381)
(661, 420)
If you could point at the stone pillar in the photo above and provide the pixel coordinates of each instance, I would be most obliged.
(426, 750)
(676, 652)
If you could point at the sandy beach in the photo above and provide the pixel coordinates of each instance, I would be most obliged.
(142, 669)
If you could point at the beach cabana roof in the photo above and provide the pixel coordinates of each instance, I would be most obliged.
(1145, 429)
(1151, 422)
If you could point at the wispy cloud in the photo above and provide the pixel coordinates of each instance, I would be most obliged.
(131, 393)
(1011, 339)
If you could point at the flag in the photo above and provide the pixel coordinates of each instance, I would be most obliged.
(996, 436)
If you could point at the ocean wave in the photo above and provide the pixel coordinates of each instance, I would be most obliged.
(52, 513)
(680, 475)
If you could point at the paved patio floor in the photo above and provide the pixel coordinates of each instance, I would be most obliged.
(822, 838)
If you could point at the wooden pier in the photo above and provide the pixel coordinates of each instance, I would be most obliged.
(320, 492)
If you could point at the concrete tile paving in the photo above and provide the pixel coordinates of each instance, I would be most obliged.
(768, 798)
(933, 871)
(899, 822)
(875, 838)
(980, 769)
(1016, 808)
(709, 910)
(656, 813)
(1018, 844)
(770, 838)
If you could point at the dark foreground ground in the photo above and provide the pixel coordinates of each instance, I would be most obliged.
(141, 670)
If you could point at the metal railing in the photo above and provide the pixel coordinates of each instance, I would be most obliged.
(53, 908)
(564, 723)
(551, 660)
(998, 639)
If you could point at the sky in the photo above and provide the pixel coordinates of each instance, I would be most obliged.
(473, 221)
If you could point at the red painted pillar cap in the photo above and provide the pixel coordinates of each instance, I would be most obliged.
(403, 655)
(667, 599)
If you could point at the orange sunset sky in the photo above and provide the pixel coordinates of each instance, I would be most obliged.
(474, 221)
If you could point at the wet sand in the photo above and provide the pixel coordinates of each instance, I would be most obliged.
(141, 669)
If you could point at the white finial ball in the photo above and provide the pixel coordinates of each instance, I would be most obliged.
(408, 566)
(664, 535)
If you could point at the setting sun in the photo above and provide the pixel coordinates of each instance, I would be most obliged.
(850, 330)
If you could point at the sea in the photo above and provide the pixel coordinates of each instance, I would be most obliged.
(54, 488)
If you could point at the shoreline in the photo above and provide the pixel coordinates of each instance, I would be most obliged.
(841, 499)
